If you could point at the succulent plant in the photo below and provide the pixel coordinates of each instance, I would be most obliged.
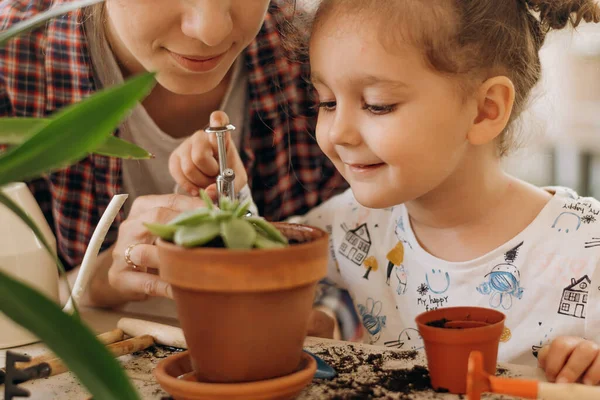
(227, 225)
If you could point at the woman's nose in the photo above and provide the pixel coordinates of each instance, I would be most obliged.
(208, 21)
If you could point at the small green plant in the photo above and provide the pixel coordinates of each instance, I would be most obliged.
(228, 225)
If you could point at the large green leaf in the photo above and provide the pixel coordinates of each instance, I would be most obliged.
(15, 131)
(42, 18)
(68, 338)
(74, 132)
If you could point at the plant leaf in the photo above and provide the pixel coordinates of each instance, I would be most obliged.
(238, 234)
(98, 370)
(242, 209)
(192, 217)
(14, 131)
(193, 236)
(42, 18)
(225, 204)
(270, 231)
(207, 200)
(17, 130)
(220, 215)
(83, 126)
(166, 232)
(119, 148)
(262, 242)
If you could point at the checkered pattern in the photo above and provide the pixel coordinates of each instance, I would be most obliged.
(51, 68)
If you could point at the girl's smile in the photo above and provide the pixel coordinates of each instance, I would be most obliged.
(363, 170)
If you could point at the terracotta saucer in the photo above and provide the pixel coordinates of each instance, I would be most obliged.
(175, 377)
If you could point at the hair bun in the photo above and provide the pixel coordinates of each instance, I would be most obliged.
(557, 14)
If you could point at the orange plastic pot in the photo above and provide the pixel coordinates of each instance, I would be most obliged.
(244, 313)
(448, 348)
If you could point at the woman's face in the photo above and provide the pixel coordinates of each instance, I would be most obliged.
(192, 44)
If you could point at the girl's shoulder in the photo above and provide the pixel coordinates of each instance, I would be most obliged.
(583, 213)
(570, 223)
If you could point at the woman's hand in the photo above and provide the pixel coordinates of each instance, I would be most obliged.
(131, 271)
(194, 164)
(571, 359)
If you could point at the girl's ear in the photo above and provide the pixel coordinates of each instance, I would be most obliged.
(495, 99)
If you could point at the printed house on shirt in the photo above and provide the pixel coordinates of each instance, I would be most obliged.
(357, 244)
(574, 298)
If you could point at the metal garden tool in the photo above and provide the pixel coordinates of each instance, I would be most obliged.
(226, 178)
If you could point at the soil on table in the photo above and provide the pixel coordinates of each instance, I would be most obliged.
(365, 375)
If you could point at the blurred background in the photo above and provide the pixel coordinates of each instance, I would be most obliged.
(560, 132)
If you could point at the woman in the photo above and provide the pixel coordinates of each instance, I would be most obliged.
(209, 54)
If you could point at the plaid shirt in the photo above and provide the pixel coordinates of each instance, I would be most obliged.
(49, 69)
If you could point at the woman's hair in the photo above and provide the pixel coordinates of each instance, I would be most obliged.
(469, 39)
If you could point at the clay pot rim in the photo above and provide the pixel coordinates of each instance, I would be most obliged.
(177, 387)
(256, 270)
(216, 251)
(483, 332)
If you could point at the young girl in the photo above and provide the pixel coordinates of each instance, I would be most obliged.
(417, 103)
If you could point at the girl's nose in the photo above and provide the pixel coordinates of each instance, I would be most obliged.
(208, 21)
(344, 131)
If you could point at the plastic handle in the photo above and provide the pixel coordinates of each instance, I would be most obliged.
(526, 389)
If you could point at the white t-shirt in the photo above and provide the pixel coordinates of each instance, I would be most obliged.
(545, 279)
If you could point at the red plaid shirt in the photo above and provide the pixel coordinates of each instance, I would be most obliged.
(51, 68)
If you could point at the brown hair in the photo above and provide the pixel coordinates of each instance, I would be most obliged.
(469, 39)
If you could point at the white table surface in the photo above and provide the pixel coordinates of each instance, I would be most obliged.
(139, 368)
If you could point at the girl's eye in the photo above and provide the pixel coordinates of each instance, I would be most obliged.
(327, 106)
(380, 109)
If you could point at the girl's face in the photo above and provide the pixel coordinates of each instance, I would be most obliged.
(190, 43)
(392, 126)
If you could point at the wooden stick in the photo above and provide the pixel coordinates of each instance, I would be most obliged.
(118, 349)
(109, 337)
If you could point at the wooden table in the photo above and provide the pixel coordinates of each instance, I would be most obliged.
(365, 373)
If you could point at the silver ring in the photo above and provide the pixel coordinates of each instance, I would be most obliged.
(128, 256)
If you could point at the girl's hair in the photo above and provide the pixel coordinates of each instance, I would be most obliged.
(468, 39)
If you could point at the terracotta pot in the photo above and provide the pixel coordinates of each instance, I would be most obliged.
(448, 349)
(244, 313)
